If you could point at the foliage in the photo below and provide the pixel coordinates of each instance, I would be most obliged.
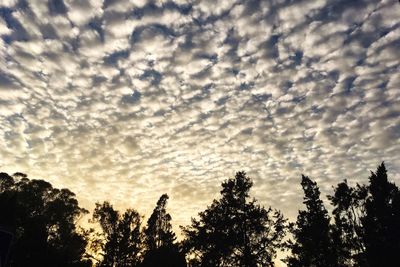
(122, 236)
(43, 220)
(235, 231)
(159, 229)
(166, 256)
(349, 208)
(160, 247)
(381, 222)
(367, 219)
(312, 233)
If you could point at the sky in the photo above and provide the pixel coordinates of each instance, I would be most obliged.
(127, 100)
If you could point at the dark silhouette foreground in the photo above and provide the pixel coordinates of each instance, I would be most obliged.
(39, 227)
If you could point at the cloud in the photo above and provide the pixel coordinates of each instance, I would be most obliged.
(126, 100)
(8, 3)
(80, 12)
(4, 30)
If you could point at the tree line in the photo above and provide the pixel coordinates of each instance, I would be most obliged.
(362, 230)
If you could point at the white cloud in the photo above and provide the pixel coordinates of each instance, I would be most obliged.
(8, 3)
(81, 11)
(3, 27)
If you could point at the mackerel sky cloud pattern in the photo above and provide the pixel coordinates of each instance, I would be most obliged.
(126, 100)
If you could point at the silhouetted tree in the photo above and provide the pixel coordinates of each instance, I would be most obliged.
(7, 202)
(367, 219)
(159, 229)
(160, 247)
(123, 244)
(235, 231)
(313, 245)
(7, 216)
(165, 257)
(349, 208)
(382, 220)
(43, 220)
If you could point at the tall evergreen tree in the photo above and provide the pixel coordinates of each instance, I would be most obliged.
(158, 232)
(382, 220)
(161, 249)
(123, 244)
(235, 231)
(312, 246)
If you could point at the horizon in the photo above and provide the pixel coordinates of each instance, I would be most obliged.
(282, 253)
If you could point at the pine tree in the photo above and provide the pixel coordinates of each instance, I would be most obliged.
(161, 249)
(159, 229)
(312, 246)
(382, 220)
